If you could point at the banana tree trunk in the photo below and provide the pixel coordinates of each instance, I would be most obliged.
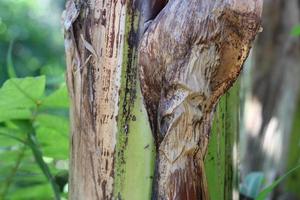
(122, 148)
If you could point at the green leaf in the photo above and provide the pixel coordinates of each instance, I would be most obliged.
(14, 113)
(58, 99)
(54, 141)
(8, 157)
(12, 134)
(21, 93)
(296, 30)
(40, 191)
(56, 123)
(252, 184)
(52, 132)
(264, 194)
(8, 141)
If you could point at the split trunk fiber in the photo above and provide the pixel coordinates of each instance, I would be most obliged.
(187, 54)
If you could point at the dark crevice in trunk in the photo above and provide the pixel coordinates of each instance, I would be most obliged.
(151, 8)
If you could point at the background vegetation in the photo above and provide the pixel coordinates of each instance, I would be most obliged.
(33, 101)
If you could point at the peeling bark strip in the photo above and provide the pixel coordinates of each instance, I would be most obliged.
(190, 55)
(94, 34)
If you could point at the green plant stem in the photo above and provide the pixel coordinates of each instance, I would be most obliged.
(13, 172)
(9, 61)
(37, 153)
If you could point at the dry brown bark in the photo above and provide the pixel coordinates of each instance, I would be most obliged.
(94, 33)
(190, 56)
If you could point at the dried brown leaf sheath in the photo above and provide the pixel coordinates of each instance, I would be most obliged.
(189, 57)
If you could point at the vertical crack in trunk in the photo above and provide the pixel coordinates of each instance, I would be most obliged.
(190, 55)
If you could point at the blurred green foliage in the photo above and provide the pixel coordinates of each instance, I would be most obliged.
(33, 101)
(296, 30)
(33, 28)
(33, 139)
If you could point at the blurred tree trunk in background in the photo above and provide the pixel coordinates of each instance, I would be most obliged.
(275, 82)
(112, 149)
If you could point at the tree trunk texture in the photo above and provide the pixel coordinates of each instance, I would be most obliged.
(190, 53)
(275, 83)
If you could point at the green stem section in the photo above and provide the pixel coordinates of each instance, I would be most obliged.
(221, 160)
(37, 153)
(135, 151)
